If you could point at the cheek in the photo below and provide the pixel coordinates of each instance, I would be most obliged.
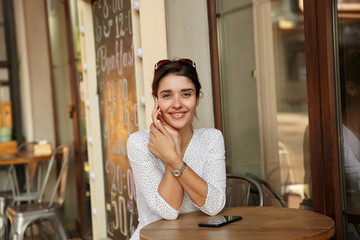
(162, 106)
(192, 105)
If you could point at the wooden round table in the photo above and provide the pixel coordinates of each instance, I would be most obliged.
(257, 223)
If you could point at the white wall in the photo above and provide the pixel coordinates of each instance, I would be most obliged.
(34, 70)
(176, 29)
(188, 37)
(154, 46)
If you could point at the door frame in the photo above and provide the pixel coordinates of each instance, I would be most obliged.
(322, 104)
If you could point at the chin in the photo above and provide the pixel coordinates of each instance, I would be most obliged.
(176, 125)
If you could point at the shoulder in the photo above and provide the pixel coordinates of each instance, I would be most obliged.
(211, 133)
(139, 138)
(208, 135)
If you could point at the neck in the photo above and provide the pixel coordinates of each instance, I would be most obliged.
(186, 135)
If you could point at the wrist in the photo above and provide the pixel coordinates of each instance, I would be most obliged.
(177, 172)
(173, 161)
(178, 165)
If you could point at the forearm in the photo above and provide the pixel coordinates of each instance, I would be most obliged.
(189, 181)
(195, 186)
(171, 190)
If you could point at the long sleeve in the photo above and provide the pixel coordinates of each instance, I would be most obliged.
(148, 173)
(214, 173)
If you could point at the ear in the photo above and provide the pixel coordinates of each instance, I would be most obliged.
(197, 101)
(155, 98)
(351, 89)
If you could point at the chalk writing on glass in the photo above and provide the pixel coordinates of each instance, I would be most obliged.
(116, 61)
(115, 69)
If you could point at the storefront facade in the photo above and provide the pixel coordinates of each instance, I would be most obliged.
(271, 76)
(263, 79)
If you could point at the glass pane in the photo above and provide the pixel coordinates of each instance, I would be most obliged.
(4, 85)
(239, 86)
(233, 5)
(1, 13)
(2, 35)
(349, 58)
(4, 75)
(263, 94)
(291, 100)
(2, 44)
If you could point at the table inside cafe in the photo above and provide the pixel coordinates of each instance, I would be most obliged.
(26, 158)
(22, 158)
(257, 223)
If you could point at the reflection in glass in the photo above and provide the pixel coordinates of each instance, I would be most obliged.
(291, 100)
(263, 94)
(350, 83)
(349, 53)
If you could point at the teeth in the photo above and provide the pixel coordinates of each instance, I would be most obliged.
(178, 114)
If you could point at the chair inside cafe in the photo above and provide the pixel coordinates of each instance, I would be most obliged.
(251, 190)
(47, 208)
(242, 191)
(271, 196)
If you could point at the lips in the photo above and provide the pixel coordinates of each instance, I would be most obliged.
(177, 115)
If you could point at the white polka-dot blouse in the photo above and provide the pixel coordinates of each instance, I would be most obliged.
(205, 155)
(352, 160)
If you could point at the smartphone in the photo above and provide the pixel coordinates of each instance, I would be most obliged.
(219, 221)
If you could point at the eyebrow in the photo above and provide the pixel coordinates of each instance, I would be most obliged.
(182, 90)
(188, 89)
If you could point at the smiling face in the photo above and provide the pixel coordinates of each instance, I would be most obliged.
(177, 101)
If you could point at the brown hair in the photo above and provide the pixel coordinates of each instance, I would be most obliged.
(178, 68)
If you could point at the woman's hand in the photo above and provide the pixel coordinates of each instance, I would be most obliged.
(158, 118)
(162, 145)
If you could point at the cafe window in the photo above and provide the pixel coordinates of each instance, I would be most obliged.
(348, 35)
(263, 94)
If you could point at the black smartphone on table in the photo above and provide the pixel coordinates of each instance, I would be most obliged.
(219, 221)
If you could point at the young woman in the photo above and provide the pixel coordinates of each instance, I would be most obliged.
(177, 169)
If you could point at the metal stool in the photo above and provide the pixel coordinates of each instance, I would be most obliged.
(3, 219)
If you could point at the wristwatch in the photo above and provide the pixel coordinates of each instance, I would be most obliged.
(178, 172)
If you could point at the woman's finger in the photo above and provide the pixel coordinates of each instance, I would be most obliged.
(156, 110)
(162, 129)
(153, 129)
(156, 116)
(161, 119)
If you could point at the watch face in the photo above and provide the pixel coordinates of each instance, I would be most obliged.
(176, 173)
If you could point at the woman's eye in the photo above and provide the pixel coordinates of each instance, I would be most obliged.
(166, 95)
(187, 94)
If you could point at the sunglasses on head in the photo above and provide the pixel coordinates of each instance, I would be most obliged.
(184, 61)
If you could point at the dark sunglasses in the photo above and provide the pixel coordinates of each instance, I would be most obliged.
(184, 61)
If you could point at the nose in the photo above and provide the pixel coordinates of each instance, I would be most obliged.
(177, 102)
